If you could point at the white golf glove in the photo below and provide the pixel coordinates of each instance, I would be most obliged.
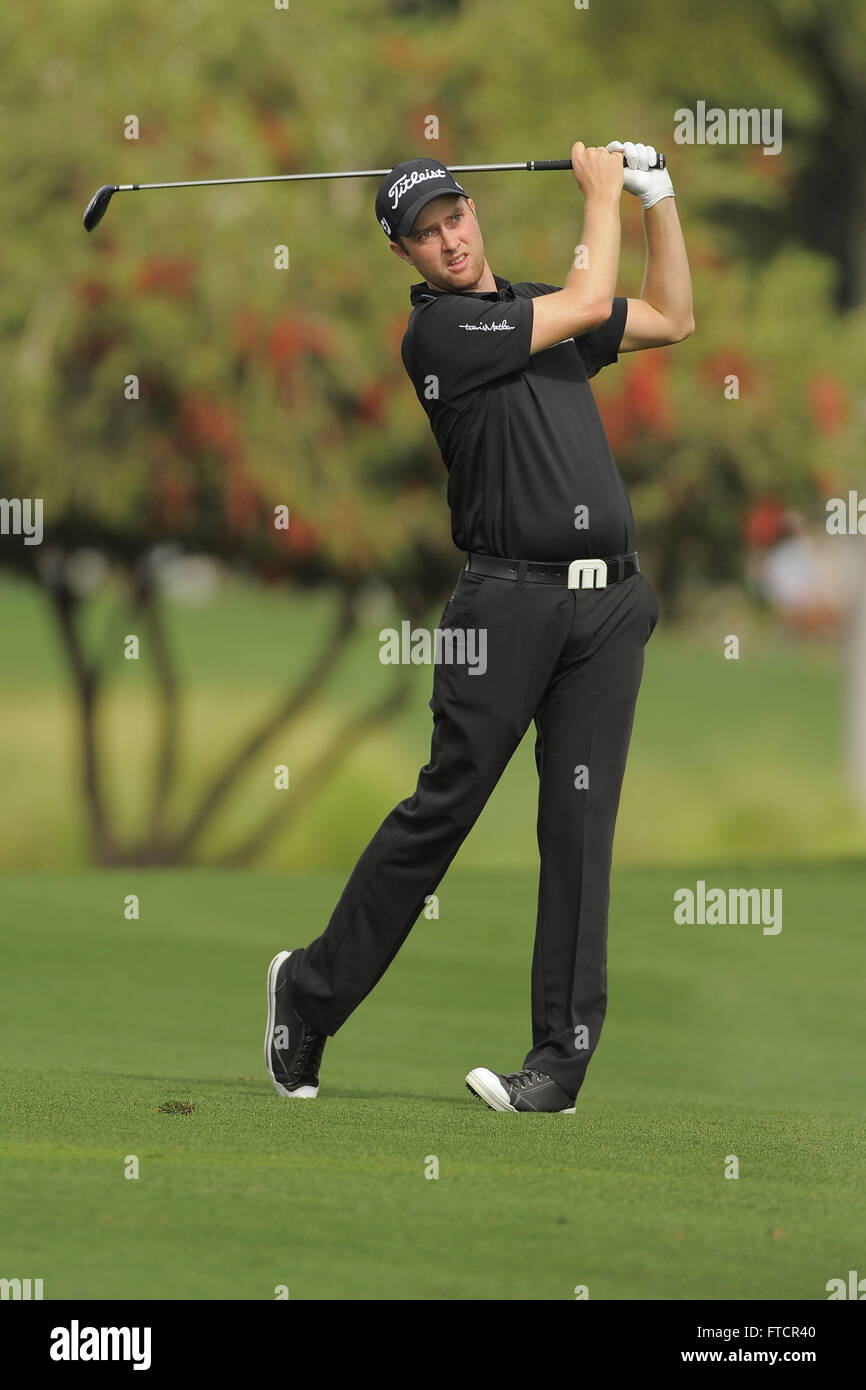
(650, 185)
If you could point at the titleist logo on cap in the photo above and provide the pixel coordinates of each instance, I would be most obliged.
(407, 181)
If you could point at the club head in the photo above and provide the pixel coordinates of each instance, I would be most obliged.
(98, 206)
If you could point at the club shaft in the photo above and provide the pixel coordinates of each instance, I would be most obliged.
(96, 208)
(293, 178)
(532, 166)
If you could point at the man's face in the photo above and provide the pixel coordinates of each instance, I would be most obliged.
(445, 244)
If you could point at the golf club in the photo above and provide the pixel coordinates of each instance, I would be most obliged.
(98, 205)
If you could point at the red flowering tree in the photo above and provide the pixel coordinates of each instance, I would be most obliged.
(164, 381)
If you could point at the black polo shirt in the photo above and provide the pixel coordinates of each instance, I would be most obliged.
(520, 435)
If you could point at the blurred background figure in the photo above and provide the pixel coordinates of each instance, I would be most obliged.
(806, 576)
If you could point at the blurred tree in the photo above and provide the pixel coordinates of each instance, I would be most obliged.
(258, 390)
(263, 387)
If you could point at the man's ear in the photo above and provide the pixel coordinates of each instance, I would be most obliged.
(398, 251)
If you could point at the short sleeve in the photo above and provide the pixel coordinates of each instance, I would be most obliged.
(600, 346)
(467, 343)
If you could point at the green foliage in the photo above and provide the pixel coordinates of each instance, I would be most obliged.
(261, 386)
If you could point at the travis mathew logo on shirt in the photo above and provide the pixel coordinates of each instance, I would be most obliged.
(407, 181)
(504, 326)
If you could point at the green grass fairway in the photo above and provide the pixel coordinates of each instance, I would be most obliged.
(719, 1041)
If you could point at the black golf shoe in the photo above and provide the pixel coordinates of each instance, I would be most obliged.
(293, 1050)
(519, 1090)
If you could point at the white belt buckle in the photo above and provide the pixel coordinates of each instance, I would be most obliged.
(587, 574)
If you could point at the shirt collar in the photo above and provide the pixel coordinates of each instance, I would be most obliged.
(422, 292)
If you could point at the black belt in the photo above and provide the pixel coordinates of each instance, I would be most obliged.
(585, 574)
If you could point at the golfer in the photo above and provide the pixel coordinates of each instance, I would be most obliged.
(550, 576)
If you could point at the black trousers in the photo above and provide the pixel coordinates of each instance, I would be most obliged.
(572, 661)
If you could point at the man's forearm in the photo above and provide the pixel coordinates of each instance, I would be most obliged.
(585, 300)
(596, 280)
(667, 284)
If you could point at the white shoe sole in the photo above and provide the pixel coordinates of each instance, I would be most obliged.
(303, 1092)
(486, 1085)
